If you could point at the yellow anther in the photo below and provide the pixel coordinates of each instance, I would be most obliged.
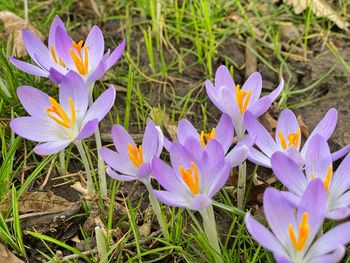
(293, 139)
(303, 234)
(190, 177)
(60, 116)
(135, 155)
(81, 62)
(327, 180)
(242, 98)
(205, 137)
(57, 60)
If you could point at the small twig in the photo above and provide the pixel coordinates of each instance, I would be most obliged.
(48, 174)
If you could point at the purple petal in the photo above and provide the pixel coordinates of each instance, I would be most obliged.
(167, 143)
(144, 171)
(73, 86)
(200, 202)
(121, 139)
(96, 46)
(88, 129)
(63, 43)
(180, 156)
(118, 162)
(237, 155)
(258, 158)
(186, 130)
(325, 127)
(341, 179)
(194, 147)
(253, 83)
(96, 74)
(34, 129)
(171, 199)
(289, 173)
(223, 78)
(335, 256)
(120, 177)
(34, 101)
(263, 138)
(279, 214)
(56, 76)
(224, 132)
(287, 123)
(33, 45)
(57, 22)
(150, 142)
(339, 213)
(340, 153)
(116, 54)
(166, 177)
(101, 106)
(263, 236)
(28, 68)
(317, 157)
(49, 148)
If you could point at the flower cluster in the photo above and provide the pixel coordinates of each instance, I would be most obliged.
(200, 162)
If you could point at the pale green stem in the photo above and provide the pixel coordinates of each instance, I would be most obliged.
(85, 161)
(100, 163)
(156, 209)
(242, 173)
(62, 159)
(210, 230)
(101, 245)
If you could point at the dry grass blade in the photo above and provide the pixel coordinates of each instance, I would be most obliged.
(7, 256)
(14, 24)
(320, 8)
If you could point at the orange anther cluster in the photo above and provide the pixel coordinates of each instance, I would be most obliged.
(57, 60)
(190, 177)
(303, 234)
(81, 62)
(242, 98)
(135, 155)
(57, 113)
(293, 139)
(205, 137)
(327, 180)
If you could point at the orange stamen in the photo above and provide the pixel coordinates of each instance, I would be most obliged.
(191, 178)
(135, 155)
(205, 137)
(327, 180)
(303, 233)
(293, 139)
(61, 116)
(242, 98)
(81, 62)
(57, 60)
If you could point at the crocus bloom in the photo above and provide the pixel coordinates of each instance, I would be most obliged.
(132, 162)
(235, 101)
(318, 164)
(56, 124)
(87, 58)
(196, 143)
(294, 229)
(287, 137)
(190, 183)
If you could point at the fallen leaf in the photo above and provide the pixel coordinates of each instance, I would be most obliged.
(268, 122)
(7, 256)
(320, 8)
(171, 131)
(259, 181)
(37, 202)
(14, 24)
(250, 57)
(303, 128)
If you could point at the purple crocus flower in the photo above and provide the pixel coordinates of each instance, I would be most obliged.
(191, 183)
(64, 54)
(294, 229)
(287, 137)
(235, 101)
(196, 143)
(56, 124)
(318, 164)
(132, 162)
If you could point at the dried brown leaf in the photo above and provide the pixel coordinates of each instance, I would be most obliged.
(7, 256)
(303, 128)
(37, 202)
(250, 57)
(268, 122)
(14, 24)
(320, 8)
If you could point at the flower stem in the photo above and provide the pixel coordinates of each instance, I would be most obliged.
(101, 245)
(62, 159)
(100, 163)
(210, 230)
(85, 161)
(242, 173)
(156, 209)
